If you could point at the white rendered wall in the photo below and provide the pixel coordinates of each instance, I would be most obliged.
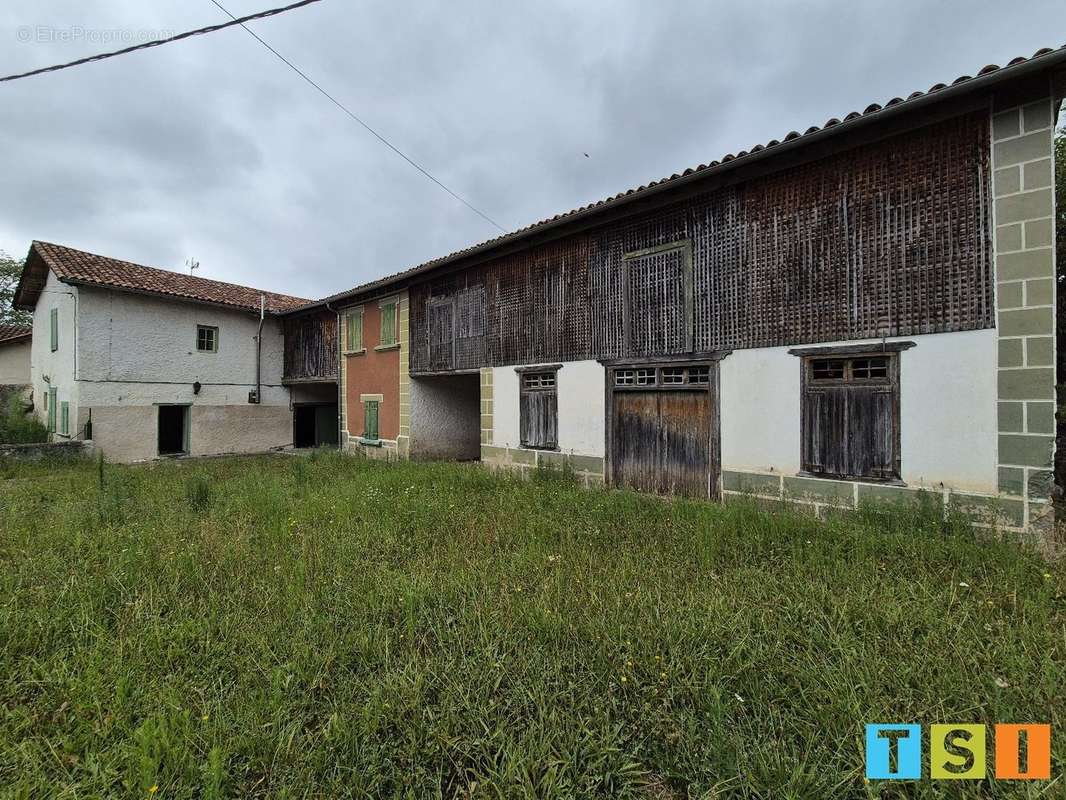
(137, 352)
(15, 363)
(581, 408)
(134, 338)
(947, 410)
(59, 366)
(446, 417)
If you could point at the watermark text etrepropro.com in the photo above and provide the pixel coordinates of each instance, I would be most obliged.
(48, 34)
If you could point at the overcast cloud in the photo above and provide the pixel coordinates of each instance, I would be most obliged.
(211, 148)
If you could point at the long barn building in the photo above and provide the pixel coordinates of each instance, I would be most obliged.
(858, 312)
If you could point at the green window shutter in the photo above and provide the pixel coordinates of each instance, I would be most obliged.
(54, 323)
(52, 410)
(370, 419)
(388, 324)
(354, 334)
(64, 418)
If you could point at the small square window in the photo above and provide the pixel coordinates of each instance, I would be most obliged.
(206, 339)
(868, 368)
(699, 376)
(624, 377)
(645, 377)
(673, 376)
(828, 369)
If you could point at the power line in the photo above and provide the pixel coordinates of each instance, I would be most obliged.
(158, 42)
(345, 109)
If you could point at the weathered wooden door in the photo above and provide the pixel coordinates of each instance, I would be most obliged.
(663, 429)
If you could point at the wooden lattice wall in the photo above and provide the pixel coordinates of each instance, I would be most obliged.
(311, 347)
(888, 239)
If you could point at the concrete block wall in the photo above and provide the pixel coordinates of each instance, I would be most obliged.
(821, 495)
(1024, 207)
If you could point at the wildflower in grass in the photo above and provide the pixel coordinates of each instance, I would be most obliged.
(1047, 576)
(154, 788)
(738, 697)
(1001, 682)
(964, 584)
(624, 679)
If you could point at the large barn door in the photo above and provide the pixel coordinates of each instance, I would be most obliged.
(663, 429)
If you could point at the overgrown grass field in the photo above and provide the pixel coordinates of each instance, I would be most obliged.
(328, 626)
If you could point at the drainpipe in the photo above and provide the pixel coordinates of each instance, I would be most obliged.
(259, 351)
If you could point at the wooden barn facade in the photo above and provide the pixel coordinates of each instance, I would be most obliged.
(858, 312)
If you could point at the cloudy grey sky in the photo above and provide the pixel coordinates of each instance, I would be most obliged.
(211, 148)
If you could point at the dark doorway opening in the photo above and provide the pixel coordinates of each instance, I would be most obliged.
(173, 430)
(314, 425)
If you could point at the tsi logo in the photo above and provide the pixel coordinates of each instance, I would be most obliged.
(957, 752)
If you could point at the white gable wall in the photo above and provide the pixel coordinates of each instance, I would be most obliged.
(48, 368)
(139, 351)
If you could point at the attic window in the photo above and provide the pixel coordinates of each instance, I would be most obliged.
(206, 339)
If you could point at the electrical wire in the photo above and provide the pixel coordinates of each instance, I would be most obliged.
(157, 42)
(345, 109)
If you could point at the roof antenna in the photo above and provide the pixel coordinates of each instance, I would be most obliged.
(192, 264)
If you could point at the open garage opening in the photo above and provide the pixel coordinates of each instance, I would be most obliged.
(446, 417)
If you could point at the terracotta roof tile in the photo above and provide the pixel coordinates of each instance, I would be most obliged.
(730, 159)
(14, 333)
(80, 267)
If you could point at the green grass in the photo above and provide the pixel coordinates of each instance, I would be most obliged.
(326, 626)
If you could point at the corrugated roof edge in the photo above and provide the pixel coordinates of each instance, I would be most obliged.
(987, 76)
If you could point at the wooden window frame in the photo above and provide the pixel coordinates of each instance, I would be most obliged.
(351, 314)
(213, 331)
(685, 246)
(550, 391)
(393, 338)
(891, 381)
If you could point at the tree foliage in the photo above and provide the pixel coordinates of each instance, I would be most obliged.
(10, 272)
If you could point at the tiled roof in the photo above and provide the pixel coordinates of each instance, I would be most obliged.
(14, 333)
(80, 267)
(989, 74)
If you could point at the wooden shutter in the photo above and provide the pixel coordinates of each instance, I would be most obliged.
(388, 324)
(370, 419)
(53, 320)
(851, 422)
(354, 331)
(538, 410)
(441, 325)
(659, 301)
(52, 410)
(539, 417)
(825, 431)
(64, 418)
(871, 432)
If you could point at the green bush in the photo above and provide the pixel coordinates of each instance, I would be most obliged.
(18, 427)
